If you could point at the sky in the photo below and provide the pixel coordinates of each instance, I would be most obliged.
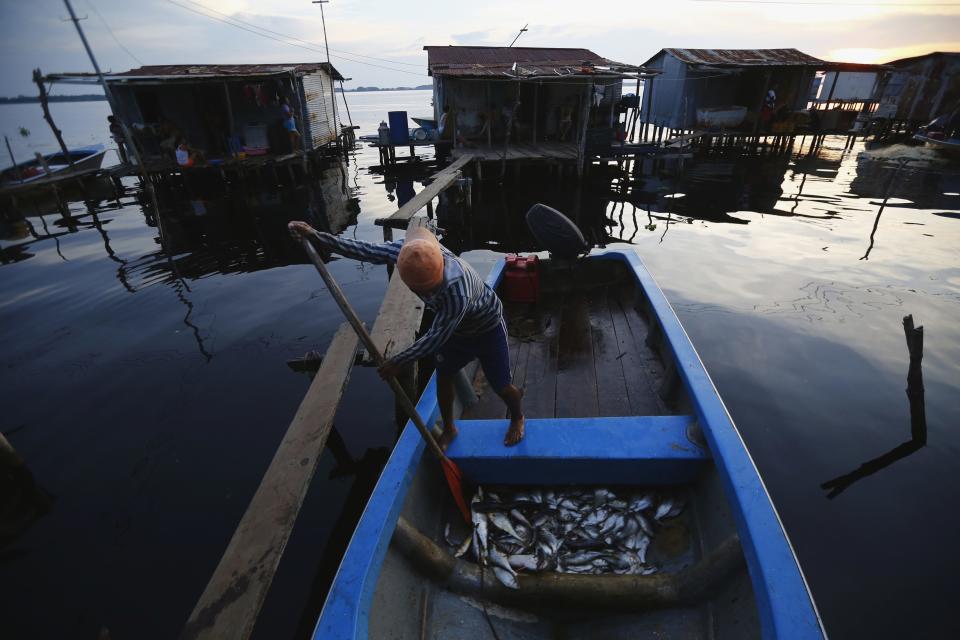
(381, 43)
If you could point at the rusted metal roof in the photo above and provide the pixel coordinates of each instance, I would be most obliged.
(183, 71)
(529, 61)
(743, 57)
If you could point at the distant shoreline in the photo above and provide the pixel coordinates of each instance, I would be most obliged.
(422, 87)
(33, 99)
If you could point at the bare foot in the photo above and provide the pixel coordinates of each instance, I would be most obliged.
(449, 433)
(515, 432)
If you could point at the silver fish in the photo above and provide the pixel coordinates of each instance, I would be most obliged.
(463, 548)
(497, 559)
(502, 522)
(581, 557)
(481, 529)
(602, 496)
(644, 524)
(611, 524)
(597, 516)
(524, 561)
(639, 503)
(519, 517)
(618, 504)
(506, 578)
(663, 509)
(630, 526)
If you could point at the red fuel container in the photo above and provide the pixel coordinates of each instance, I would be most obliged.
(521, 278)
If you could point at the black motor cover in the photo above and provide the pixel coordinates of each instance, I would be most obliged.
(555, 232)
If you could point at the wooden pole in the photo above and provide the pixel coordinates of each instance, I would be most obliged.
(13, 161)
(584, 121)
(536, 86)
(372, 348)
(38, 79)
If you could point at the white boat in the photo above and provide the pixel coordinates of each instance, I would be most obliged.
(54, 167)
(717, 117)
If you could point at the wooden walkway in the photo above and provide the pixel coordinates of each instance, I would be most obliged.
(230, 604)
(441, 180)
(520, 151)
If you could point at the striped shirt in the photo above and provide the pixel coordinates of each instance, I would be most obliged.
(462, 305)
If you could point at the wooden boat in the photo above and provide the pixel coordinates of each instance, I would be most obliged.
(949, 147)
(85, 159)
(616, 395)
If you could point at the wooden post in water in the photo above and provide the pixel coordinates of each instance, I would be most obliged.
(13, 161)
(44, 104)
(584, 122)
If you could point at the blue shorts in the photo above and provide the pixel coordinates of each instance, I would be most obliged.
(290, 125)
(492, 350)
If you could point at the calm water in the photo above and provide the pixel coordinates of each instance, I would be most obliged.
(147, 388)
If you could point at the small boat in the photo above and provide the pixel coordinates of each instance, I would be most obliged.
(427, 123)
(615, 396)
(948, 147)
(34, 172)
(721, 117)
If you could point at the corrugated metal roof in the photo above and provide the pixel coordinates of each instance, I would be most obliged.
(223, 70)
(505, 55)
(743, 57)
(530, 61)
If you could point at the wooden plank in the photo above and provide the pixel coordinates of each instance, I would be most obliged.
(576, 377)
(635, 360)
(612, 398)
(232, 599)
(540, 372)
(441, 180)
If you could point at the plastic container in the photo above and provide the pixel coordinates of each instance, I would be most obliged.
(521, 278)
(399, 131)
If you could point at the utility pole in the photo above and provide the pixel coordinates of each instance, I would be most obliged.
(520, 34)
(127, 136)
(333, 91)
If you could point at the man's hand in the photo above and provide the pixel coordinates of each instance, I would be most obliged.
(389, 369)
(300, 230)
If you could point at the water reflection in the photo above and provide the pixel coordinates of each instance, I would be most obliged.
(918, 419)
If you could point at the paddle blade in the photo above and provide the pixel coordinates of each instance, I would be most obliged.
(455, 482)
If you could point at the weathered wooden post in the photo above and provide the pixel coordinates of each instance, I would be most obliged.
(44, 104)
(16, 169)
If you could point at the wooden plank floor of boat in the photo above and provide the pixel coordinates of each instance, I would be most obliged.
(578, 354)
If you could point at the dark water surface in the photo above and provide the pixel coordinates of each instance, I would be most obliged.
(147, 388)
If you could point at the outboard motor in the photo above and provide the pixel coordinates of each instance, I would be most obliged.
(556, 232)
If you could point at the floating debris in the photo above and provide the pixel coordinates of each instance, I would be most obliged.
(569, 530)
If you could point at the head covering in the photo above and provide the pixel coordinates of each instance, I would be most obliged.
(420, 262)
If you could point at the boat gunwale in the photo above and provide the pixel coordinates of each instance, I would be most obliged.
(784, 602)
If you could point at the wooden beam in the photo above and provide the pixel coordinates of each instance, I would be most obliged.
(442, 180)
(38, 79)
(232, 599)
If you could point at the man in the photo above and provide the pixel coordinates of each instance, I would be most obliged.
(468, 321)
(116, 132)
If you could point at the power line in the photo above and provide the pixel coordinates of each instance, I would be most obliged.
(838, 4)
(112, 34)
(295, 39)
(256, 31)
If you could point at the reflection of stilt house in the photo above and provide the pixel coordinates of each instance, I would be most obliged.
(516, 103)
(230, 114)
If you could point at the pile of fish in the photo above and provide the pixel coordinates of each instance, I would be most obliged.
(570, 530)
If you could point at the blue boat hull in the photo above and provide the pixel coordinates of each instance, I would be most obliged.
(376, 593)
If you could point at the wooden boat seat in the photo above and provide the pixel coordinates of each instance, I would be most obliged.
(636, 450)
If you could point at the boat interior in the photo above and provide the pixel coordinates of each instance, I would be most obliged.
(604, 407)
